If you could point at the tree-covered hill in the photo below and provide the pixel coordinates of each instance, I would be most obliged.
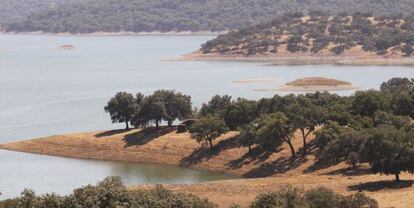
(319, 33)
(18, 10)
(186, 15)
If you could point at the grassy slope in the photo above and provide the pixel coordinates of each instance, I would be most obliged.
(167, 147)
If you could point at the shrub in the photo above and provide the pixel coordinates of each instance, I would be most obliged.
(291, 197)
(287, 197)
(110, 193)
(161, 197)
(322, 198)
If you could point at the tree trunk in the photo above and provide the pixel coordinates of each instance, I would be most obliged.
(169, 123)
(292, 149)
(397, 177)
(305, 146)
(126, 125)
(157, 125)
(211, 143)
(250, 148)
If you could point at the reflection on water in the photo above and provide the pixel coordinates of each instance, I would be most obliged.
(45, 90)
(62, 175)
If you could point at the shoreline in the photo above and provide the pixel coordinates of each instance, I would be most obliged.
(301, 59)
(123, 33)
(166, 147)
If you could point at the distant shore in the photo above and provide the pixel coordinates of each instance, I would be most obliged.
(286, 88)
(125, 33)
(165, 146)
(300, 59)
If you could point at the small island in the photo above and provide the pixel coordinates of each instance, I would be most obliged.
(67, 47)
(316, 84)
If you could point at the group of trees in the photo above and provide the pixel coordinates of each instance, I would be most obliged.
(165, 15)
(373, 127)
(320, 32)
(18, 10)
(141, 110)
(111, 193)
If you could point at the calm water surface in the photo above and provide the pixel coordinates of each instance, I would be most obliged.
(45, 90)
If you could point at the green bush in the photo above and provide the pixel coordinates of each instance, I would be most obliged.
(287, 197)
(291, 197)
(110, 193)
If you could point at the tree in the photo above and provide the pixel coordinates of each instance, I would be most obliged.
(305, 116)
(248, 135)
(402, 103)
(207, 129)
(389, 151)
(153, 110)
(216, 105)
(366, 103)
(121, 108)
(328, 134)
(162, 105)
(239, 113)
(275, 129)
(397, 85)
(384, 118)
(346, 146)
(176, 104)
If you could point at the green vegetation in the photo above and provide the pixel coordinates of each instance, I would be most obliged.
(208, 128)
(293, 197)
(319, 32)
(121, 108)
(141, 111)
(18, 10)
(179, 15)
(373, 126)
(110, 193)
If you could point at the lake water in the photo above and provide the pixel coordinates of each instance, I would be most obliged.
(45, 90)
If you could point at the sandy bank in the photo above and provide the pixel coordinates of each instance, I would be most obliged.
(300, 59)
(275, 169)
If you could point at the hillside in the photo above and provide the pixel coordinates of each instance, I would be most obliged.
(182, 15)
(267, 171)
(18, 10)
(319, 35)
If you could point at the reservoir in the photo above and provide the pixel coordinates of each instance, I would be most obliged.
(46, 90)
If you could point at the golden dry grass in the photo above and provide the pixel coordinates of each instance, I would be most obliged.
(267, 171)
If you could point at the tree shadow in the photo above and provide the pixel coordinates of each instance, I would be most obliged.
(381, 185)
(321, 164)
(279, 166)
(257, 155)
(146, 135)
(205, 152)
(350, 171)
(111, 133)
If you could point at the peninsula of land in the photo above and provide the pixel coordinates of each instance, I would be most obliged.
(319, 38)
(263, 171)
